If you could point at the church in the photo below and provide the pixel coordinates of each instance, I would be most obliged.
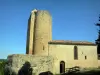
(64, 53)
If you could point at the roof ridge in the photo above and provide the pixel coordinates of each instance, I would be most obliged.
(71, 42)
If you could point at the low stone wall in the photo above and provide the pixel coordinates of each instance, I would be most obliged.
(38, 63)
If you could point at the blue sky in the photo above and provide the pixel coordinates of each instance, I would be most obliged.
(71, 20)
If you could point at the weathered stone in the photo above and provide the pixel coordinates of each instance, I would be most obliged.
(38, 63)
(37, 36)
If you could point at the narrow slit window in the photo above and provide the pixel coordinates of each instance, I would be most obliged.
(43, 47)
(75, 52)
(85, 57)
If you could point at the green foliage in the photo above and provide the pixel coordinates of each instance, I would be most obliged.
(2, 64)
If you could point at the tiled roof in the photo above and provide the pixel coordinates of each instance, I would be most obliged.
(71, 42)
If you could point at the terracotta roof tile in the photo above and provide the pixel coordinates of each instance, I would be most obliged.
(71, 42)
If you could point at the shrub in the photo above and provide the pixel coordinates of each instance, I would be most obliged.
(2, 65)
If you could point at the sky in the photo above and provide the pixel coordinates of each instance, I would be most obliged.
(71, 20)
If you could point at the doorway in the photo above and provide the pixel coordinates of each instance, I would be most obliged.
(62, 67)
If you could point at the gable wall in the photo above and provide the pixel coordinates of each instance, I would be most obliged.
(66, 53)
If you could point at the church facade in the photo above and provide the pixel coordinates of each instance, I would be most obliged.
(66, 53)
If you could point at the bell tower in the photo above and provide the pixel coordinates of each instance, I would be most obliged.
(39, 32)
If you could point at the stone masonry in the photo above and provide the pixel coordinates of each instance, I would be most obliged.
(45, 54)
(39, 32)
(38, 63)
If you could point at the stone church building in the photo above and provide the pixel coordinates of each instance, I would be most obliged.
(60, 54)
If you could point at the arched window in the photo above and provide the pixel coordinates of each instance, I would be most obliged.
(75, 52)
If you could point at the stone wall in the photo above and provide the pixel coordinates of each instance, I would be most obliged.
(66, 53)
(39, 32)
(30, 33)
(42, 32)
(38, 63)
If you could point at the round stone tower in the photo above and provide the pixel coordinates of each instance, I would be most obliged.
(42, 34)
(39, 32)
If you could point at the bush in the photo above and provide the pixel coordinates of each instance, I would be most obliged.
(2, 65)
(46, 73)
